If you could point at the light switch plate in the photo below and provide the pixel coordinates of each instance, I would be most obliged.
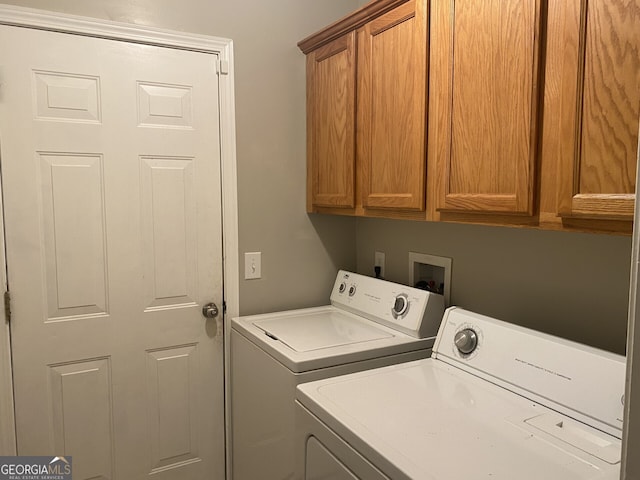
(252, 265)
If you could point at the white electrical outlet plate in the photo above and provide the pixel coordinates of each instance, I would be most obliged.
(252, 265)
(378, 261)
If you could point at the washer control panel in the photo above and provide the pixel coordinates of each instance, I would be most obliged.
(544, 368)
(415, 312)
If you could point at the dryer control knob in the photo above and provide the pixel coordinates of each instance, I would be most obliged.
(466, 340)
(400, 306)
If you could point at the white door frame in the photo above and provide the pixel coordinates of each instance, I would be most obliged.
(223, 49)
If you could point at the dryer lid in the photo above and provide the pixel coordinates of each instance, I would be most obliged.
(428, 419)
(322, 330)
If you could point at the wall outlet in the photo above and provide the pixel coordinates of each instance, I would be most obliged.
(252, 265)
(378, 261)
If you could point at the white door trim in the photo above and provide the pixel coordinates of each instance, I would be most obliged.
(223, 48)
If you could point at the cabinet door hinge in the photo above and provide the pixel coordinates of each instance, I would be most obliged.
(7, 306)
(222, 67)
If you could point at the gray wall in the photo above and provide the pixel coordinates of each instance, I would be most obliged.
(300, 253)
(572, 285)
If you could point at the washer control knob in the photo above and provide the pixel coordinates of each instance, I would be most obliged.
(352, 290)
(400, 306)
(342, 287)
(466, 340)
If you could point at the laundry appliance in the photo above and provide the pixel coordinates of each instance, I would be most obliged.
(495, 401)
(370, 323)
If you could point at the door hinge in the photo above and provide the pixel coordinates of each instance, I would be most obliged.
(7, 306)
(222, 67)
(224, 307)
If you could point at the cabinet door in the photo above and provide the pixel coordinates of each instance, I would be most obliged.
(331, 81)
(392, 79)
(485, 72)
(601, 104)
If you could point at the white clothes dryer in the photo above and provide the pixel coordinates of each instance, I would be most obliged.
(495, 401)
(370, 323)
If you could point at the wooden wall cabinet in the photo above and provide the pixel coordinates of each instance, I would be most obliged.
(366, 118)
(534, 112)
(331, 108)
(600, 101)
(392, 106)
(530, 117)
(484, 105)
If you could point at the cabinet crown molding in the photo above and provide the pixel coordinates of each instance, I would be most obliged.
(351, 22)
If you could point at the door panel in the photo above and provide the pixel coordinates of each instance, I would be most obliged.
(82, 415)
(111, 180)
(168, 207)
(64, 96)
(74, 235)
(173, 423)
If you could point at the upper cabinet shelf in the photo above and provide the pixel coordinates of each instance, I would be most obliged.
(510, 112)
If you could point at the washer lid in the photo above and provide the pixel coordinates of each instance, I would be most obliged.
(321, 337)
(318, 331)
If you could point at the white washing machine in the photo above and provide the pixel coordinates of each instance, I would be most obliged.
(495, 401)
(370, 323)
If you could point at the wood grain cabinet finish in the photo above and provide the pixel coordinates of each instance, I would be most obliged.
(391, 118)
(331, 83)
(366, 111)
(530, 117)
(600, 94)
(484, 99)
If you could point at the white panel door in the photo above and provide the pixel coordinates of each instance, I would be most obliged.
(110, 156)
